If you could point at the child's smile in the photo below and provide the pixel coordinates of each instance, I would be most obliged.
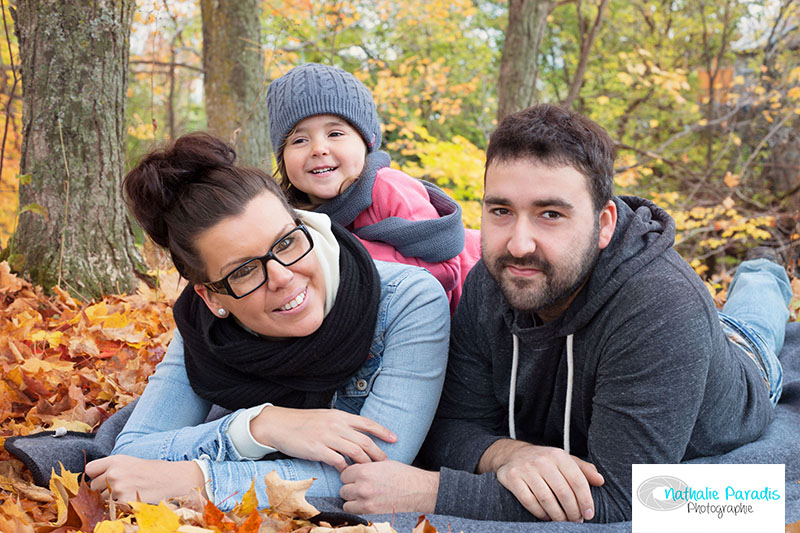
(323, 154)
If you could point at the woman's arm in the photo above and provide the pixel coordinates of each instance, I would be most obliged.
(414, 322)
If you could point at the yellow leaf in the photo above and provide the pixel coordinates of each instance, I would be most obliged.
(110, 526)
(702, 122)
(625, 78)
(653, 123)
(603, 100)
(728, 203)
(53, 338)
(731, 180)
(738, 80)
(249, 501)
(155, 518)
(62, 486)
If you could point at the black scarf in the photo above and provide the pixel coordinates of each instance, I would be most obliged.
(235, 368)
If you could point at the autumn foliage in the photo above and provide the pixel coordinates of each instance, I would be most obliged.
(67, 364)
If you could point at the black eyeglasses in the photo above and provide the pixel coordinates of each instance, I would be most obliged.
(252, 274)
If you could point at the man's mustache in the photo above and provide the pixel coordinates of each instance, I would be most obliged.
(526, 261)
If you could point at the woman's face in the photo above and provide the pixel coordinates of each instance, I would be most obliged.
(268, 310)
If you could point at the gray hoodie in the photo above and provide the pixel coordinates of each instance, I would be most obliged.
(654, 378)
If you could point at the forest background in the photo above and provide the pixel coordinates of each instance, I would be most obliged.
(702, 99)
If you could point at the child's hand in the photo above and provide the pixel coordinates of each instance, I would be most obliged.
(326, 435)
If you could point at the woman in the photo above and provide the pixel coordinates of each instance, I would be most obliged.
(285, 317)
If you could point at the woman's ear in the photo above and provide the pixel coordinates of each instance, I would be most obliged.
(210, 300)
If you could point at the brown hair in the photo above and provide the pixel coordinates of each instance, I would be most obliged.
(185, 187)
(557, 136)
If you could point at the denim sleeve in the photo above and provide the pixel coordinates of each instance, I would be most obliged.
(177, 433)
(413, 321)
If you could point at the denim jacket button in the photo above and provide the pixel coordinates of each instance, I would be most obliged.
(361, 384)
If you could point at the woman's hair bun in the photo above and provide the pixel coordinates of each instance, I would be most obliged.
(151, 187)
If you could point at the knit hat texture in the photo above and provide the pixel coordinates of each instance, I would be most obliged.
(314, 89)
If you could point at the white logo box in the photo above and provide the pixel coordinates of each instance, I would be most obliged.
(703, 498)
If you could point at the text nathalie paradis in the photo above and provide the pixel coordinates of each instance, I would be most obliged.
(700, 500)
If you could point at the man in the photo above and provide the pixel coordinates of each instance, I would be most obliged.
(583, 344)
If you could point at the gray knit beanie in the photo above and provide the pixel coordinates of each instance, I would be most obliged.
(314, 89)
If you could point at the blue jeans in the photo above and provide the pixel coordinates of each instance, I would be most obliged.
(757, 310)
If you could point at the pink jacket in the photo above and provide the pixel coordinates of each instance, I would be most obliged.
(396, 194)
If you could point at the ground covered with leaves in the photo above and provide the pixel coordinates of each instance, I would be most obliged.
(70, 364)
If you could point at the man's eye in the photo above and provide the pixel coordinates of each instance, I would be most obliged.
(552, 215)
(499, 211)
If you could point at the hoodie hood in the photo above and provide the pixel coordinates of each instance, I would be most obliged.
(644, 232)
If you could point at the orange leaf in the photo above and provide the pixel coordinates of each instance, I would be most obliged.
(250, 525)
(731, 180)
(89, 506)
(217, 519)
(423, 526)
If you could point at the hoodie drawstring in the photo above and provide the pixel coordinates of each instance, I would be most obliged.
(512, 391)
(568, 407)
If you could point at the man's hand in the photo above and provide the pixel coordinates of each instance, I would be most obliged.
(547, 481)
(388, 487)
(148, 480)
(325, 435)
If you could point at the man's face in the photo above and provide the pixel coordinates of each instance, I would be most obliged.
(540, 235)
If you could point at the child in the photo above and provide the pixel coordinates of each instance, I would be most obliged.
(326, 134)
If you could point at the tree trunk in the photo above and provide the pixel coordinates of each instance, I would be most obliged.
(234, 77)
(519, 65)
(74, 79)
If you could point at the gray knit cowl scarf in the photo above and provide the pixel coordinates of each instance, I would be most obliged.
(432, 240)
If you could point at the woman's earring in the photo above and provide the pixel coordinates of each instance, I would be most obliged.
(222, 312)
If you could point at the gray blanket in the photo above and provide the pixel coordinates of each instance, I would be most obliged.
(780, 444)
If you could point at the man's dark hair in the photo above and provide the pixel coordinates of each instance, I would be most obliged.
(555, 136)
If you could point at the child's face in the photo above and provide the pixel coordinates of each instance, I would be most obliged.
(322, 153)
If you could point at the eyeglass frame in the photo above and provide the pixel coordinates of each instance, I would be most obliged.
(223, 286)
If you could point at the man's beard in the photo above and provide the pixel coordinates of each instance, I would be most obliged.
(554, 287)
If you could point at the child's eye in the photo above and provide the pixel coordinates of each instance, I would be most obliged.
(336, 133)
(297, 140)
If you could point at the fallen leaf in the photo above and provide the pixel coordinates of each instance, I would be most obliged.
(423, 526)
(289, 497)
(249, 502)
(251, 525)
(155, 518)
(89, 506)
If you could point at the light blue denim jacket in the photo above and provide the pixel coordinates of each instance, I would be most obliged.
(404, 375)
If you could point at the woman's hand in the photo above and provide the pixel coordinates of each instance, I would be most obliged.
(326, 435)
(148, 480)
